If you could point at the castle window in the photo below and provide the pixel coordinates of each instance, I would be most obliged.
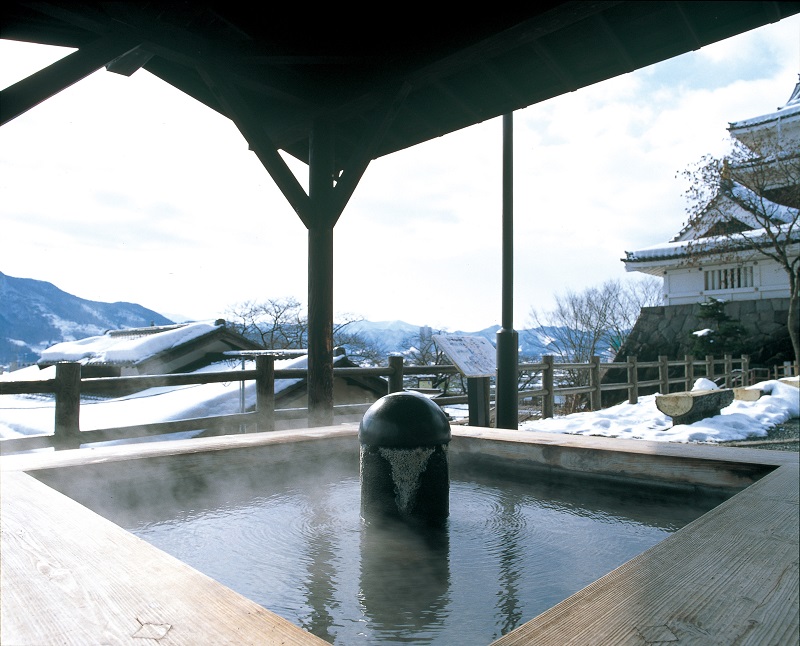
(728, 278)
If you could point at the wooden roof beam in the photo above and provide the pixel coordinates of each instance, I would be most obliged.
(354, 171)
(568, 81)
(238, 111)
(29, 92)
(504, 87)
(456, 101)
(83, 16)
(615, 43)
(691, 32)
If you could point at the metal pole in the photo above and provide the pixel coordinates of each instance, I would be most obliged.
(507, 338)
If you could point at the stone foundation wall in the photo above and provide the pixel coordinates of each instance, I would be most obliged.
(667, 330)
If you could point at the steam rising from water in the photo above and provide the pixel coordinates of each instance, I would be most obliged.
(257, 521)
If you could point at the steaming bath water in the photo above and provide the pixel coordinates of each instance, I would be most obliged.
(512, 547)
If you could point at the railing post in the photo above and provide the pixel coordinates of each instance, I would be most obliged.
(396, 376)
(689, 371)
(746, 378)
(663, 374)
(265, 392)
(728, 367)
(710, 367)
(478, 401)
(633, 380)
(548, 400)
(595, 396)
(68, 405)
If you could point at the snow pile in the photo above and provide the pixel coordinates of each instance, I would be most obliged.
(704, 384)
(643, 421)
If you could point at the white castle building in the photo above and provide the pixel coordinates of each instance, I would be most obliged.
(702, 261)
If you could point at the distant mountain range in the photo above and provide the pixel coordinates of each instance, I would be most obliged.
(394, 336)
(35, 315)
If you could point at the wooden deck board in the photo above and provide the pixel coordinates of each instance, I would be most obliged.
(72, 577)
(730, 577)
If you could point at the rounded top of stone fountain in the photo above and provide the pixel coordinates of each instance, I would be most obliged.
(404, 420)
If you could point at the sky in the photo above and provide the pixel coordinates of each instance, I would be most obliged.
(124, 189)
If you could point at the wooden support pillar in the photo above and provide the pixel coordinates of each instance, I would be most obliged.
(548, 400)
(633, 380)
(478, 401)
(689, 371)
(265, 392)
(68, 406)
(319, 212)
(663, 374)
(594, 381)
(728, 367)
(396, 378)
(320, 277)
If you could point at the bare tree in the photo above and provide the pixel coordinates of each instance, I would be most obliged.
(597, 320)
(281, 324)
(421, 350)
(360, 349)
(276, 323)
(594, 322)
(747, 204)
(627, 299)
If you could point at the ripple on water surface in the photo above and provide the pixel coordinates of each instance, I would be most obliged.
(510, 550)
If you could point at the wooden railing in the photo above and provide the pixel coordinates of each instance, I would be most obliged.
(68, 385)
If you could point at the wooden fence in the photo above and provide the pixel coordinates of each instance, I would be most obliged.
(68, 385)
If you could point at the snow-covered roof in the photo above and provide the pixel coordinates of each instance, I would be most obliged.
(726, 208)
(790, 110)
(706, 246)
(126, 347)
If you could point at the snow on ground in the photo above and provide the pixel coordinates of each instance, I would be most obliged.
(643, 421)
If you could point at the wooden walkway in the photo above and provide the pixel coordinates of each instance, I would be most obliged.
(70, 576)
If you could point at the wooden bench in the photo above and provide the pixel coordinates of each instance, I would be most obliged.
(692, 406)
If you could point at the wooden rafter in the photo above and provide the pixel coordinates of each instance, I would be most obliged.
(253, 131)
(29, 92)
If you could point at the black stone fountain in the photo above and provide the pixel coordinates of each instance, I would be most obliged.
(404, 469)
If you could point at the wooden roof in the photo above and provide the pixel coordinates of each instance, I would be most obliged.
(385, 81)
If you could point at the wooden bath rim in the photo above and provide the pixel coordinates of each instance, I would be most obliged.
(69, 576)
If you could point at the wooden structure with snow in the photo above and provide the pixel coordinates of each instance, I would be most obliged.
(162, 349)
